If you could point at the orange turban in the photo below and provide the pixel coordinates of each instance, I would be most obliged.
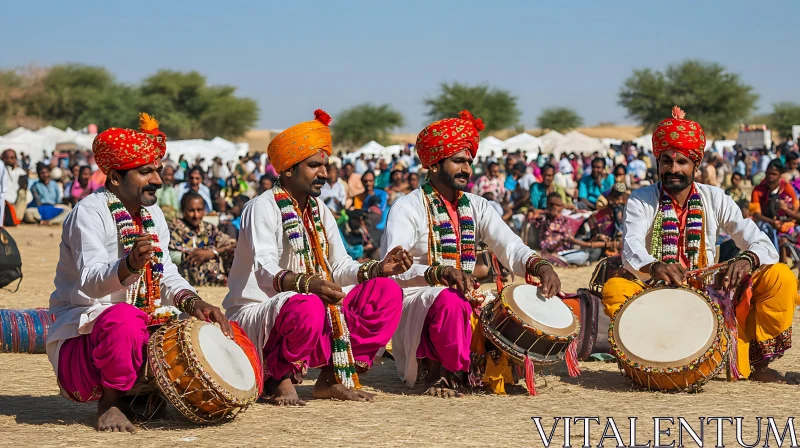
(300, 142)
(444, 138)
(126, 149)
(678, 134)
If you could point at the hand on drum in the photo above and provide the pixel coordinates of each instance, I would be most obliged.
(735, 273)
(209, 313)
(671, 274)
(551, 284)
(329, 292)
(396, 262)
(458, 279)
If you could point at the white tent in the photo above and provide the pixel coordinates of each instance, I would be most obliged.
(583, 144)
(523, 142)
(551, 140)
(489, 146)
(644, 142)
(226, 150)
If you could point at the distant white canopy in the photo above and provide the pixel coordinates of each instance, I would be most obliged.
(490, 145)
(523, 142)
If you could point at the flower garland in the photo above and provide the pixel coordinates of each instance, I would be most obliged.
(443, 247)
(666, 231)
(313, 253)
(145, 293)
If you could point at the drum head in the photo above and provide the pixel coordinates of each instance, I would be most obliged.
(549, 315)
(224, 360)
(665, 327)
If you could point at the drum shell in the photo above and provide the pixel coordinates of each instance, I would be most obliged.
(675, 378)
(687, 380)
(518, 339)
(182, 380)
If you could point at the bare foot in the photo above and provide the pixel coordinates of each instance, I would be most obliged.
(769, 375)
(327, 387)
(282, 393)
(442, 388)
(112, 419)
(44, 223)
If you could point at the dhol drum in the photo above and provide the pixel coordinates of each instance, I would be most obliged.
(206, 376)
(668, 338)
(521, 322)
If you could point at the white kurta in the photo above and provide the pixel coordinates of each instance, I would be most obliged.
(407, 226)
(262, 251)
(86, 276)
(720, 213)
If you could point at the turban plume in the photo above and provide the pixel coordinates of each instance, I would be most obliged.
(300, 142)
(680, 135)
(444, 138)
(126, 149)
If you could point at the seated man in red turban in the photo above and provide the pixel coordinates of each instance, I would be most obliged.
(114, 277)
(671, 228)
(440, 225)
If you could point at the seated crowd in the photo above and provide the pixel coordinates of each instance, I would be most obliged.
(570, 208)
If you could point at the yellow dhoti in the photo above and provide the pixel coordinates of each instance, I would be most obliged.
(766, 333)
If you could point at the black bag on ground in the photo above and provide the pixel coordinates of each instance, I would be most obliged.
(10, 260)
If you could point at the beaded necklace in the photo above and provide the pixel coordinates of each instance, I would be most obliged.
(313, 252)
(442, 246)
(145, 293)
(666, 232)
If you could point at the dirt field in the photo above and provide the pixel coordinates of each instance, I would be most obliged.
(33, 414)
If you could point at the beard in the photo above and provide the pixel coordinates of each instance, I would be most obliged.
(146, 199)
(452, 180)
(682, 184)
(316, 187)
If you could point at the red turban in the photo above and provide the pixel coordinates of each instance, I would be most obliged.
(300, 142)
(126, 149)
(677, 134)
(441, 139)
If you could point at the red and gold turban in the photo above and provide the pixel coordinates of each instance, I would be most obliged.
(441, 139)
(126, 149)
(300, 142)
(677, 134)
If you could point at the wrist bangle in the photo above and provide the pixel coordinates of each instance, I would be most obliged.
(652, 268)
(307, 283)
(297, 280)
(130, 268)
(214, 249)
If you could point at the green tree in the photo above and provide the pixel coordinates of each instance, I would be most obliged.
(783, 117)
(359, 124)
(559, 119)
(496, 107)
(68, 91)
(188, 108)
(709, 94)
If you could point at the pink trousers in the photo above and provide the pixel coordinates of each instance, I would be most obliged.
(110, 356)
(447, 332)
(301, 336)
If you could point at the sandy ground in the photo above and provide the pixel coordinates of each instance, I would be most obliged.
(32, 412)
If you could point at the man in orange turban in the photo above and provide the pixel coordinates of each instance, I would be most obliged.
(293, 287)
(670, 231)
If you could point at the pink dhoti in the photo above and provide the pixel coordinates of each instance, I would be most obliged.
(111, 356)
(447, 331)
(301, 336)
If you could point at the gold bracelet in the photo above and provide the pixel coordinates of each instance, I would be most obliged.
(308, 282)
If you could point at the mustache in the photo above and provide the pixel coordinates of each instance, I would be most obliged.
(675, 176)
(320, 181)
(461, 176)
(151, 188)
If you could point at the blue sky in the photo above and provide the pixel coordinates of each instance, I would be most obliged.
(296, 56)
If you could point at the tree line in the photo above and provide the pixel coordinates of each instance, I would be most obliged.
(75, 95)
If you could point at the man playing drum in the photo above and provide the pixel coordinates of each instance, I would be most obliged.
(671, 228)
(440, 225)
(114, 277)
(292, 279)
